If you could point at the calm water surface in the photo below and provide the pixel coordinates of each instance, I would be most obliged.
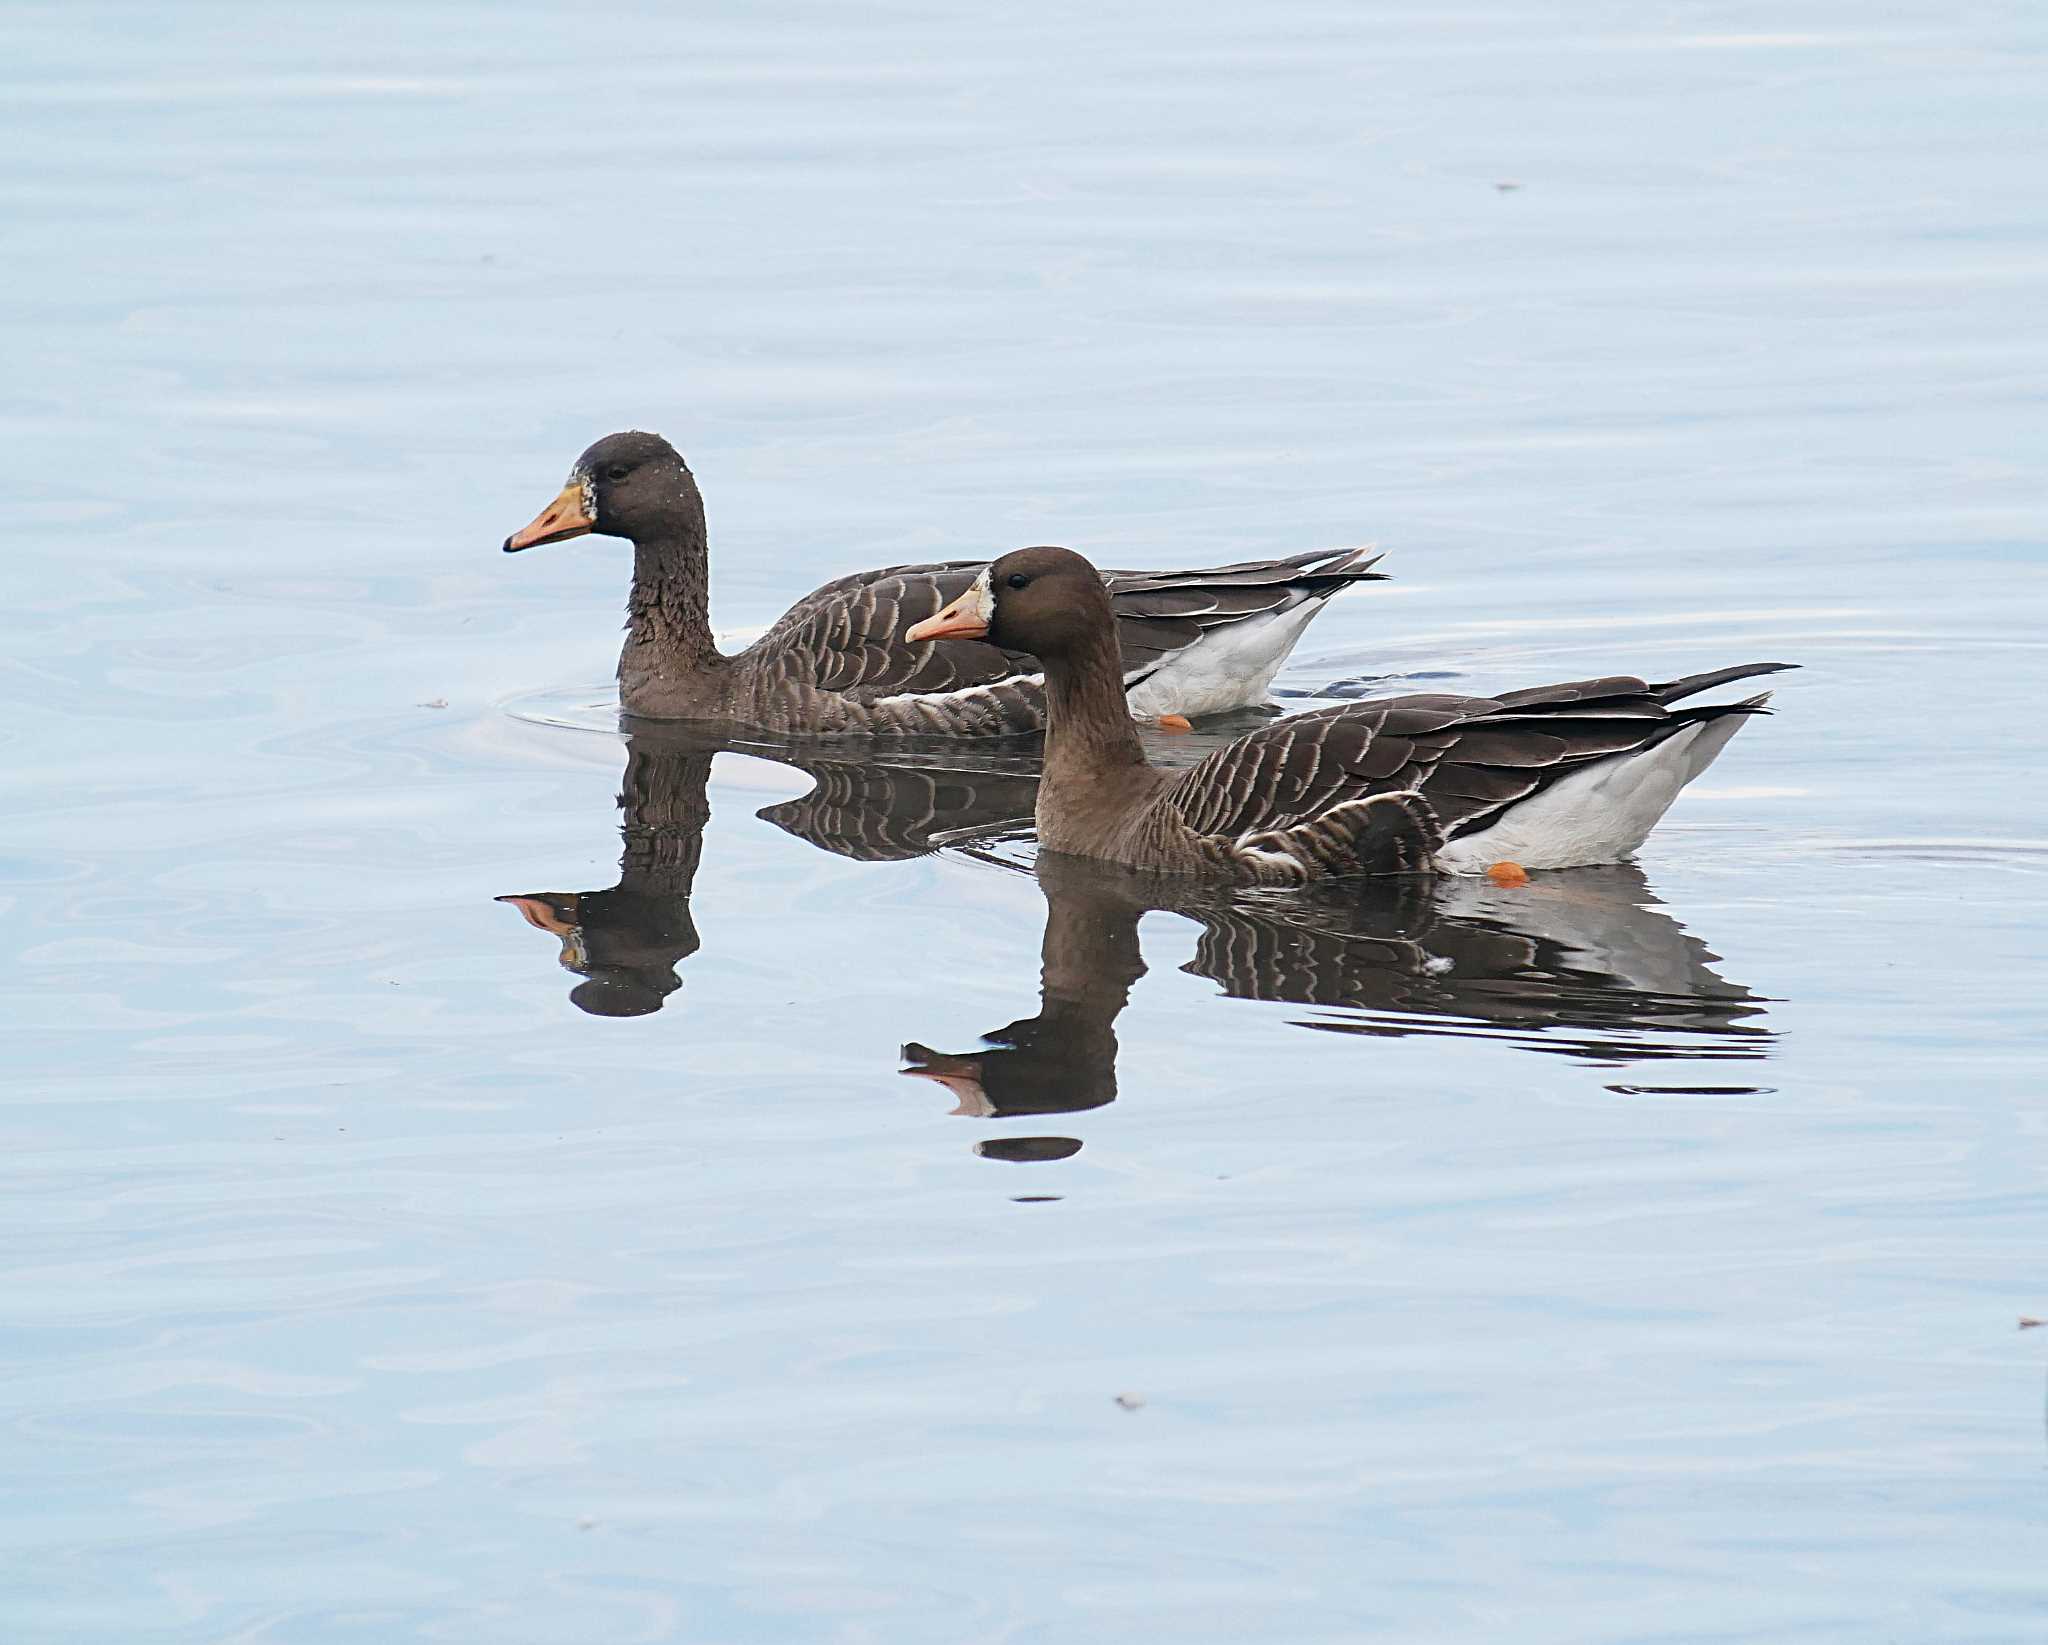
(431, 1214)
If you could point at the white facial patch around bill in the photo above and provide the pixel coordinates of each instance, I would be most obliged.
(984, 596)
(586, 488)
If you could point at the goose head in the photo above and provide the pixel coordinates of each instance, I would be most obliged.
(632, 485)
(1047, 601)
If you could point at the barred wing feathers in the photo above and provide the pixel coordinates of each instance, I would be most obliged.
(1470, 757)
(847, 637)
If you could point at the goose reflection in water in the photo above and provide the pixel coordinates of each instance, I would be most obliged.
(1581, 963)
(626, 942)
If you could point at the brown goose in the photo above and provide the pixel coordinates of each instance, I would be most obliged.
(1192, 642)
(1559, 776)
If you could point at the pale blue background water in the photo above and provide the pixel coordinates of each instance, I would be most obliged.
(357, 1286)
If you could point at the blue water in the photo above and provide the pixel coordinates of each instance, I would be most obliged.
(1650, 1273)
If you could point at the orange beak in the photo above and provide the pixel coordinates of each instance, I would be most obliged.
(561, 519)
(962, 620)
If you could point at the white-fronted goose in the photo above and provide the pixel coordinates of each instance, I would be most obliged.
(1559, 776)
(1193, 642)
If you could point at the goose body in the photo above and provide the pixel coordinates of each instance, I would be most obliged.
(1559, 776)
(839, 661)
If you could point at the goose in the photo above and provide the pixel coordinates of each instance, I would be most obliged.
(838, 662)
(1558, 776)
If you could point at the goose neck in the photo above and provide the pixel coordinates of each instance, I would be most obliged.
(1088, 730)
(669, 613)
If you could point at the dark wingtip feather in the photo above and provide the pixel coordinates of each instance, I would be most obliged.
(1354, 566)
(1338, 566)
(1695, 713)
(1691, 684)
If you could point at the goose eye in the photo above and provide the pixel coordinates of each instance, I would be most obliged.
(618, 471)
(1017, 579)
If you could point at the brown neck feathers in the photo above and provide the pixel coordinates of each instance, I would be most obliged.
(668, 617)
(1088, 732)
